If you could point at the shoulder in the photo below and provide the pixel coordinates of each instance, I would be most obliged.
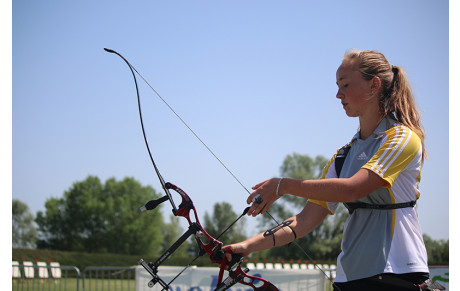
(399, 148)
(400, 138)
(330, 170)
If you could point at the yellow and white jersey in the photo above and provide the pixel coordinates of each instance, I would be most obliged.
(382, 241)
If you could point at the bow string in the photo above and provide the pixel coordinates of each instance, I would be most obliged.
(207, 244)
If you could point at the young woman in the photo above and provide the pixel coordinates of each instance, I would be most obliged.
(382, 246)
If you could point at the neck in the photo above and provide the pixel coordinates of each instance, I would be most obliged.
(367, 125)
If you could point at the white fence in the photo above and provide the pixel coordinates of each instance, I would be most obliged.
(205, 279)
(41, 270)
(41, 276)
(28, 276)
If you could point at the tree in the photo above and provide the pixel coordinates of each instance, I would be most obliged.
(24, 232)
(223, 216)
(324, 241)
(171, 233)
(295, 166)
(96, 217)
(437, 250)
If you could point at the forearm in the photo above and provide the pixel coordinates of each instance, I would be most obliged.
(332, 190)
(301, 224)
(335, 189)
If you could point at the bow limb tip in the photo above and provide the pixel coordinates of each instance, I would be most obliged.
(109, 50)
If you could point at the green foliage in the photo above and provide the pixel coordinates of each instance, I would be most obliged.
(24, 233)
(79, 259)
(297, 166)
(171, 233)
(325, 240)
(223, 215)
(96, 217)
(437, 250)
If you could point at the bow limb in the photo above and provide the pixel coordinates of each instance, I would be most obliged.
(239, 275)
(254, 282)
(162, 181)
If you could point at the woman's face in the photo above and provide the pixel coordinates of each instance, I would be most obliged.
(354, 92)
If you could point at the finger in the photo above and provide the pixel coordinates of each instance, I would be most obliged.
(251, 197)
(258, 209)
(228, 256)
(228, 252)
(258, 185)
(256, 206)
(257, 199)
(265, 209)
(253, 210)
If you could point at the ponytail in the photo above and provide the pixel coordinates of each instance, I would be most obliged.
(396, 98)
(401, 104)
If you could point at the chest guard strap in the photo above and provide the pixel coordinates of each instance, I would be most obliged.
(352, 206)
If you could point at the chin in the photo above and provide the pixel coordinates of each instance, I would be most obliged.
(351, 114)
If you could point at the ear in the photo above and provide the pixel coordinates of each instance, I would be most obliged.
(376, 84)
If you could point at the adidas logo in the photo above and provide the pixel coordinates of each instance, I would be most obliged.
(362, 157)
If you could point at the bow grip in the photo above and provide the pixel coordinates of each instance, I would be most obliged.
(237, 259)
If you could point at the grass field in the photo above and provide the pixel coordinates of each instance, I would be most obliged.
(72, 284)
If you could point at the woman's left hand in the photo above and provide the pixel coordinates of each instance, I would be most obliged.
(238, 248)
(267, 193)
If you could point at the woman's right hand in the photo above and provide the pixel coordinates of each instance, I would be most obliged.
(266, 190)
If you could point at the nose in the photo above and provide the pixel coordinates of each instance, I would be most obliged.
(339, 94)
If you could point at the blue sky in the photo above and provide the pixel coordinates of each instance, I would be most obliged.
(254, 79)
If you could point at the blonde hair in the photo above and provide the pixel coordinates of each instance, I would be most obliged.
(396, 96)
